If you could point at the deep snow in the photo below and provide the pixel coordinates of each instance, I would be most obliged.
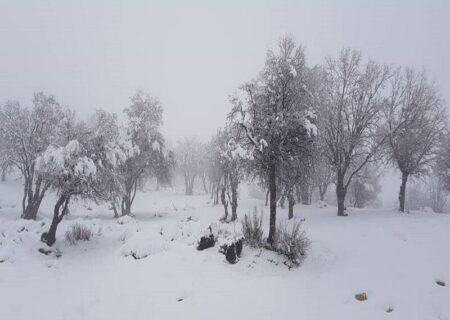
(394, 258)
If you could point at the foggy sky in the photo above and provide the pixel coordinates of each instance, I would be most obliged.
(194, 54)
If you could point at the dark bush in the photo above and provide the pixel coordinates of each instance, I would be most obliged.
(207, 241)
(232, 251)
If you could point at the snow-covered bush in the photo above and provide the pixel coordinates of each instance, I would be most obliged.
(292, 242)
(78, 232)
(24, 134)
(125, 220)
(141, 245)
(232, 250)
(252, 229)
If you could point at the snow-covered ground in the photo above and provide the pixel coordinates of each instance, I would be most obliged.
(394, 258)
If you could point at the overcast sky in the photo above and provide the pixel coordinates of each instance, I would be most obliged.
(194, 54)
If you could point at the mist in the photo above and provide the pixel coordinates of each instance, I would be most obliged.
(193, 55)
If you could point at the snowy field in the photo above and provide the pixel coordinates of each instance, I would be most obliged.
(394, 258)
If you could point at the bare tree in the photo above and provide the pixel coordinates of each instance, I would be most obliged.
(415, 110)
(351, 112)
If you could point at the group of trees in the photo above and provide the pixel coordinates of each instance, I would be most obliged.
(100, 159)
(295, 129)
(302, 128)
(292, 130)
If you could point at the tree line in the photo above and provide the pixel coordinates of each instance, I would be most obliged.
(293, 129)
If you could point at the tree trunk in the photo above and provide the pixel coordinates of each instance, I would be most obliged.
(116, 213)
(32, 199)
(205, 188)
(224, 203)
(322, 192)
(282, 200)
(267, 196)
(306, 197)
(340, 194)
(126, 206)
(4, 173)
(298, 193)
(189, 181)
(31, 211)
(273, 202)
(291, 202)
(49, 237)
(216, 197)
(234, 203)
(402, 193)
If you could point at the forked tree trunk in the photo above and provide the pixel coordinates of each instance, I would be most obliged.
(402, 193)
(340, 194)
(322, 191)
(128, 199)
(273, 202)
(32, 199)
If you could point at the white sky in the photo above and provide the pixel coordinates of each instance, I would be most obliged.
(194, 54)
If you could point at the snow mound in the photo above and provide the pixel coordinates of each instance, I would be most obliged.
(142, 245)
(321, 204)
(428, 210)
(125, 220)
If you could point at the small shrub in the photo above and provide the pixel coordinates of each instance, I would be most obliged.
(78, 232)
(291, 242)
(252, 229)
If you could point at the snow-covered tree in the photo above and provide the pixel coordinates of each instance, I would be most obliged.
(274, 115)
(416, 121)
(351, 116)
(233, 160)
(141, 148)
(189, 159)
(25, 134)
(71, 172)
(214, 169)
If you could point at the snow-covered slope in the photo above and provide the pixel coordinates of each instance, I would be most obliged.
(394, 258)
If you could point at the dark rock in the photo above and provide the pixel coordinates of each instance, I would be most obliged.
(45, 251)
(361, 296)
(206, 242)
(440, 283)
